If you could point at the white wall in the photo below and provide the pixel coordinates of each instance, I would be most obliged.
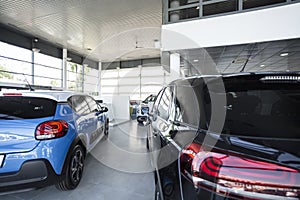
(270, 24)
(118, 107)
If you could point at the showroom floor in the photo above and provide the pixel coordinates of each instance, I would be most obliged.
(118, 168)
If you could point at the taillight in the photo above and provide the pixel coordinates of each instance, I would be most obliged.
(237, 176)
(51, 129)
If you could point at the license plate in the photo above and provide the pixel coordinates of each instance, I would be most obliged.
(1, 160)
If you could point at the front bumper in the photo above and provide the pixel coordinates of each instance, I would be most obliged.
(33, 174)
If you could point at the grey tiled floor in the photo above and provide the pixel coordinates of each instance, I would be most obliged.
(117, 168)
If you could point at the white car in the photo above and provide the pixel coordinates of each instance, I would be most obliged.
(144, 108)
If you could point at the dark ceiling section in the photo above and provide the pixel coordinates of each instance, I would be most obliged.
(266, 56)
(149, 62)
(14, 37)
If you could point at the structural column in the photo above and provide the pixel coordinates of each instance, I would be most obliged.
(64, 69)
(174, 66)
(99, 78)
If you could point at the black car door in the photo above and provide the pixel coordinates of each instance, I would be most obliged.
(159, 123)
(176, 131)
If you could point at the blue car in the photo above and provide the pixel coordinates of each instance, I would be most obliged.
(45, 136)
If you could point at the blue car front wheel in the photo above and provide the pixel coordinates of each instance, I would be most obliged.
(73, 171)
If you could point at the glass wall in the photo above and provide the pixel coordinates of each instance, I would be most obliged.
(47, 70)
(91, 80)
(75, 77)
(181, 10)
(15, 64)
(23, 66)
(137, 82)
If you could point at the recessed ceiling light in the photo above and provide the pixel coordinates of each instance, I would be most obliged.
(36, 50)
(284, 54)
(196, 60)
(262, 65)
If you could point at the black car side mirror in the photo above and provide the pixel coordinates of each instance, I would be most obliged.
(104, 109)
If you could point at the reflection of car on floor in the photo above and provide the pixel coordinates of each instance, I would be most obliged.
(227, 137)
(144, 108)
(44, 137)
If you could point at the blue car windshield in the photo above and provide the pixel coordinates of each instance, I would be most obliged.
(19, 107)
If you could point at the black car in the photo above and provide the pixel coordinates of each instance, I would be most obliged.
(227, 137)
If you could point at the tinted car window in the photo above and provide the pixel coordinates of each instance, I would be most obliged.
(259, 109)
(17, 107)
(155, 105)
(263, 112)
(92, 104)
(186, 107)
(79, 104)
(164, 103)
(149, 99)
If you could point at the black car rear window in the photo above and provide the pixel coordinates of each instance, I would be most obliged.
(260, 109)
(18, 107)
(269, 113)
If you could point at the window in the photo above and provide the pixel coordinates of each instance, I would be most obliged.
(186, 106)
(15, 64)
(79, 104)
(90, 80)
(247, 4)
(155, 105)
(74, 77)
(47, 70)
(164, 104)
(18, 107)
(220, 7)
(92, 104)
(266, 112)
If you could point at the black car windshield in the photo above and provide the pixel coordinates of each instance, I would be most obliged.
(18, 107)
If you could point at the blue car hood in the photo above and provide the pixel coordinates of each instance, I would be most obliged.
(18, 135)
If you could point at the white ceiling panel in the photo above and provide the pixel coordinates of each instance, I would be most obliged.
(110, 28)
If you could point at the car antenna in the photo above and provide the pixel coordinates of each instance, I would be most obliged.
(30, 87)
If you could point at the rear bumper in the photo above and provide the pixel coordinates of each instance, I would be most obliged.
(32, 174)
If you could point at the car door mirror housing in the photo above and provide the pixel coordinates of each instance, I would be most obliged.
(104, 109)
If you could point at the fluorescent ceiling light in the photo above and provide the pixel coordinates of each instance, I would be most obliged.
(196, 60)
(284, 54)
